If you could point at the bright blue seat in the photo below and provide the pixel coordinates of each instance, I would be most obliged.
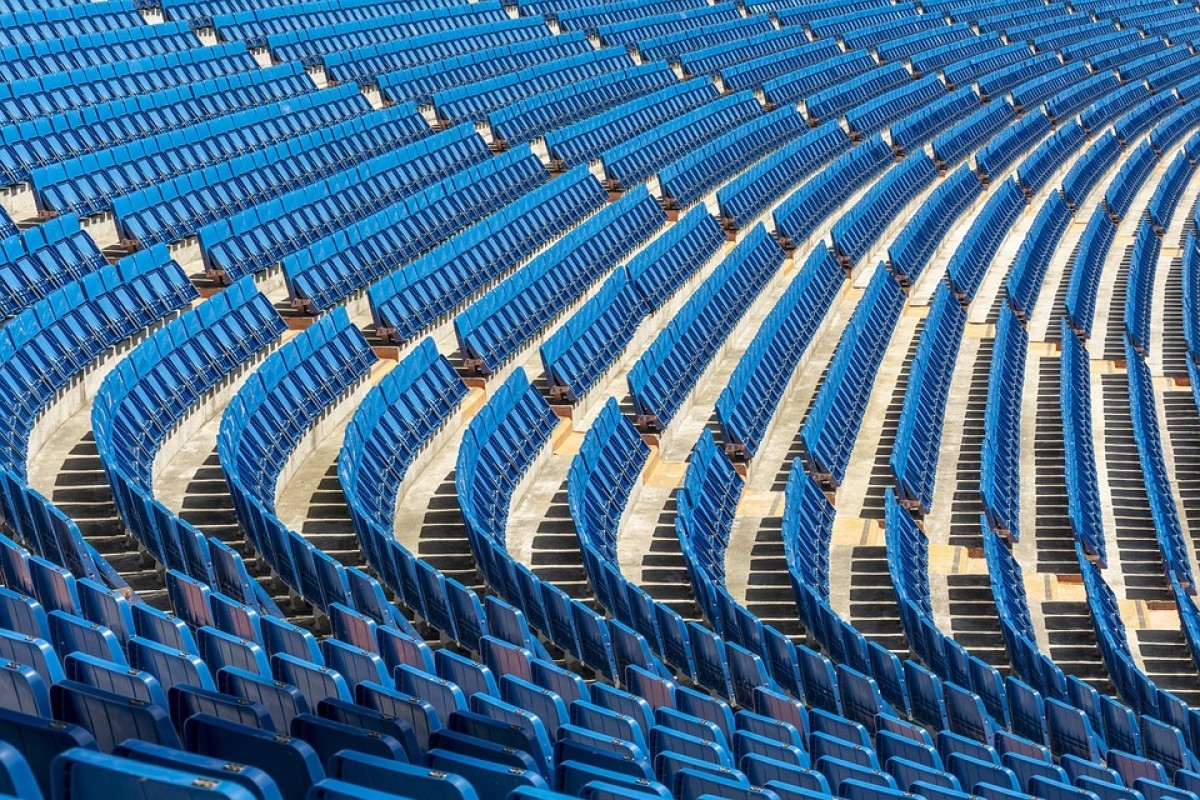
(1131, 767)
(547, 706)
(1026, 769)
(282, 701)
(115, 678)
(314, 681)
(23, 614)
(489, 779)
(36, 653)
(162, 628)
(23, 690)
(706, 707)
(908, 773)
(890, 745)
(1071, 732)
(836, 771)
(254, 780)
(610, 723)
(768, 728)
(418, 713)
(445, 697)
(967, 715)
(1077, 768)
(70, 633)
(111, 718)
(353, 663)
(292, 763)
(220, 649)
(379, 774)
(395, 648)
(187, 701)
(282, 637)
(470, 676)
(83, 774)
(328, 737)
(973, 771)
(820, 680)
(371, 720)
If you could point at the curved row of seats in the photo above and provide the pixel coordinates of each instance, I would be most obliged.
(147, 396)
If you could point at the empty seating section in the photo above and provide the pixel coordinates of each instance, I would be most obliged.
(664, 376)
(364, 65)
(310, 45)
(968, 135)
(94, 49)
(1129, 179)
(253, 26)
(786, 51)
(632, 162)
(45, 258)
(578, 354)
(329, 269)
(1163, 507)
(590, 18)
(498, 325)
(895, 105)
(1143, 264)
(335, 232)
(829, 431)
(915, 245)
(710, 492)
(748, 402)
(87, 184)
(915, 454)
(1000, 480)
(34, 23)
(475, 101)
(858, 229)
(409, 299)
(629, 33)
(1039, 166)
(261, 235)
(54, 138)
(178, 208)
(1033, 259)
(584, 141)
(390, 429)
(532, 117)
(802, 212)
(749, 194)
(817, 69)
(687, 179)
(265, 422)
(80, 88)
(57, 337)
(1007, 146)
(945, 112)
(1086, 270)
(1169, 191)
(837, 100)
(48, 347)
(1084, 501)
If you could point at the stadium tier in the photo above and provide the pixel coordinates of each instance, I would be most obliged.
(548, 399)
